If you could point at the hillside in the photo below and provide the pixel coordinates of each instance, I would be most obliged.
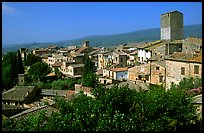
(115, 39)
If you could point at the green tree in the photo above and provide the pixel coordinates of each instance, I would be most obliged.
(11, 67)
(89, 77)
(32, 59)
(20, 68)
(38, 71)
(58, 73)
(120, 109)
(65, 84)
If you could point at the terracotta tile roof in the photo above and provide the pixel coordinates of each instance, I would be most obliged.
(194, 40)
(80, 50)
(50, 74)
(99, 71)
(11, 107)
(57, 64)
(197, 58)
(121, 69)
(187, 57)
(18, 93)
(120, 53)
(76, 65)
(70, 92)
(52, 92)
(34, 111)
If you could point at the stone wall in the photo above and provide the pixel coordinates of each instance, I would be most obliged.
(86, 90)
(173, 71)
(171, 26)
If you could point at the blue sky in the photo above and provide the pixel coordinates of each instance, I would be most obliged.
(26, 22)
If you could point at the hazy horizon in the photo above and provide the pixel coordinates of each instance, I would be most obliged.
(29, 22)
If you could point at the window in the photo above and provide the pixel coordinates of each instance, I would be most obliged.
(160, 79)
(81, 70)
(147, 77)
(182, 70)
(196, 69)
(121, 59)
(116, 58)
(157, 68)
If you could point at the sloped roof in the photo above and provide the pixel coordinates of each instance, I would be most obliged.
(80, 50)
(11, 107)
(50, 74)
(52, 92)
(76, 65)
(194, 40)
(18, 93)
(198, 99)
(186, 57)
(57, 64)
(34, 111)
(121, 69)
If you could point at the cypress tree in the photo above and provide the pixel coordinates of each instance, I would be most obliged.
(20, 68)
(89, 76)
(14, 74)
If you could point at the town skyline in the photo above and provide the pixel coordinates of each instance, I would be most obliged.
(34, 20)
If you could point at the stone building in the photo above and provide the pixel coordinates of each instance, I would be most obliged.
(157, 73)
(172, 26)
(192, 44)
(20, 95)
(119, 58)
(141, 72)
(116, 73)
(182, 65)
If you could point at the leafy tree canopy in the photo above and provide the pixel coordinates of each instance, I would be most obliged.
(38, 71)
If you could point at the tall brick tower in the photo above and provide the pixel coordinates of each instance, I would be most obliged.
(172, 26)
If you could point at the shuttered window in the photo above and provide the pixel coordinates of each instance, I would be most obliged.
(196, 69)
(182, 70)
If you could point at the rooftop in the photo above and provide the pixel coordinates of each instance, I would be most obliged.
(194, 40)
(186, 57)
(57, 64)
(50, 74)
(18, 93)
(121, 69)
(34, 111)
(172, 12)
(76, 65)
(80, 50)
(52, 92)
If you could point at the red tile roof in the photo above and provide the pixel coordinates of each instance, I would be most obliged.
(57, 64)
(121, 69)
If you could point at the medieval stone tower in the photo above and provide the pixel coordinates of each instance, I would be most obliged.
(171, 26)
(86, 43)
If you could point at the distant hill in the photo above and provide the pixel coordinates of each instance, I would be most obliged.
(115, 39)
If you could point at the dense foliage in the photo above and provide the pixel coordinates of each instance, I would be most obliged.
(38, 71)
(12, 65)
(60, 84)
(32, 59)
(119, 109)
(89, 78)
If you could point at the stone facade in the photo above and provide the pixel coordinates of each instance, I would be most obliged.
(119, 58)
(157, 70)
(141, 72)
(177, 70)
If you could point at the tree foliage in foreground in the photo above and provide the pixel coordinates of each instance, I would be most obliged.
(32, 59)
(38, 71)
(121, 109)
(89, 78)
